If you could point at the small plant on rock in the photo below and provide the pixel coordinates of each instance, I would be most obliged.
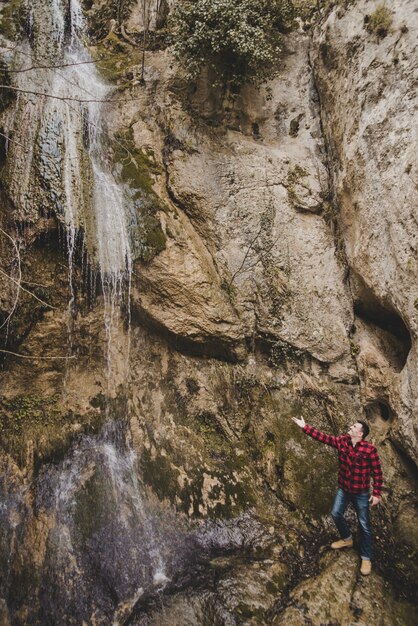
(379, 22)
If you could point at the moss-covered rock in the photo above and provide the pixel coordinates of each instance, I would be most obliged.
(115, 59)
(13, 18)
(92, 507)
(196, 491)
(41, 425)
(136, 169)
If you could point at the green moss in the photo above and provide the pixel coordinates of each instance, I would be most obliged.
(304, 471)
(113, 56)
(41, 420)
(136, 169)
(92, 507)
(246, 612)
(281, 579)
(295, 177)
(160, 473)
(238, 496)
(12, 19)
(272, 588)
(354, 348)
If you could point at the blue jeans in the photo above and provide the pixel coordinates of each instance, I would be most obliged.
(360, 502)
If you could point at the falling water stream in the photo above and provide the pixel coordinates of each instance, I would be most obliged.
(66, 160)
(65, 167)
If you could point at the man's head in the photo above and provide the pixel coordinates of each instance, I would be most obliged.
(359, 430)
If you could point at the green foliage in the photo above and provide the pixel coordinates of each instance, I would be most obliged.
(379, 22)
(238, 40)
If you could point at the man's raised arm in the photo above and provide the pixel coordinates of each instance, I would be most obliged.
(329, 440)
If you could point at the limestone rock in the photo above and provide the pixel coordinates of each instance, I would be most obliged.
(245, 193)
(366, 86)
(181, 291)
(339, 595)
(156, 476)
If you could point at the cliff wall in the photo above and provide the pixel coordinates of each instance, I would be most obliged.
(151, 473)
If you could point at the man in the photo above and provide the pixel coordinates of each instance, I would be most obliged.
(358, 459)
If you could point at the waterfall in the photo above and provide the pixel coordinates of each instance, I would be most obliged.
(104, 524)
(64, 167)
(113, 249)
(114, 466)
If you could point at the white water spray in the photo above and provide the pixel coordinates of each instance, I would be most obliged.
(66, 153)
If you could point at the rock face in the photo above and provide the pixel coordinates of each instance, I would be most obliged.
(365, 82)
(150, 471)
(340, 596)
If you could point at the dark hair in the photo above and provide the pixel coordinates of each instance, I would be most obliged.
(364, 428)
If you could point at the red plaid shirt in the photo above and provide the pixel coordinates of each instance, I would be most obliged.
(356, 463)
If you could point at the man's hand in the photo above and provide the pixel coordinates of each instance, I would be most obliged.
(300, 422)
(374, 500)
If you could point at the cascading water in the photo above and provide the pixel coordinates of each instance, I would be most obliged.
(120, 537)
(65, 169)
(58, 118)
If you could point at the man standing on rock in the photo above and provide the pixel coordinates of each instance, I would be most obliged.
(358, 459)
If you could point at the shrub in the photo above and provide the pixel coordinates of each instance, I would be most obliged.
(379, 22)
(239, 40)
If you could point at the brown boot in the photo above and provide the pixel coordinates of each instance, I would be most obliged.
(342, 543)
(366, 567)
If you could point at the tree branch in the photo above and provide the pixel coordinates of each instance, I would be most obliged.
(6, 321)
(64, 98)
(13, 140)
(250, 247)
(18, 283)
(48, 67)
(43, 358)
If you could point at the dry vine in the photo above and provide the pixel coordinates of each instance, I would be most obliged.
(242, 269)
(18, 282)
(41, 358)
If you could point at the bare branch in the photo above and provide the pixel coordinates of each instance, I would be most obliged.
(240, 270)
(26, 290)
(6, 321)
(64, 98)
(250, 247)
(14, 140)
(42, 358)
(26, 282)
(48, 67)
